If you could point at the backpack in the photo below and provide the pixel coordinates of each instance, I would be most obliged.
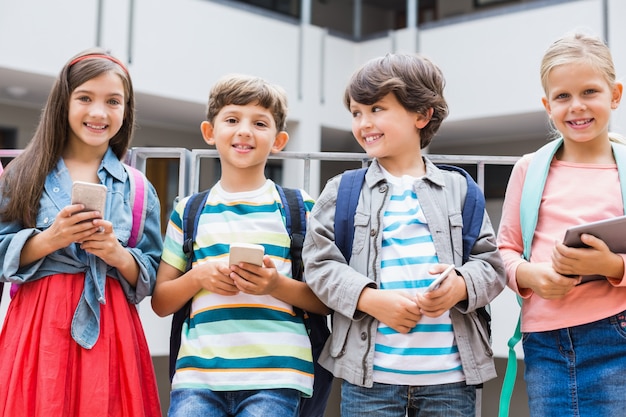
(532, 191)
(138, 196)
(348, 198)
(351, 184)
(316, 325)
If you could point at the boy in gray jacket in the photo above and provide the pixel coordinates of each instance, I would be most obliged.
(398, 348)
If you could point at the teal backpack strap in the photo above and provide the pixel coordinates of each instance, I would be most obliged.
(532, 191)
(619, 152)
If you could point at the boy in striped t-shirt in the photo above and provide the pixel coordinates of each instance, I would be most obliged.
(402, 351)
(243, 347)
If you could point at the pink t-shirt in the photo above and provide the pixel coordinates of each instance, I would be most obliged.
(574, 194)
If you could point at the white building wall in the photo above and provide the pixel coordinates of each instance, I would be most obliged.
(492, 64)
(617, 39)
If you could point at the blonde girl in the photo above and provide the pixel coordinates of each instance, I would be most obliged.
(574, 331)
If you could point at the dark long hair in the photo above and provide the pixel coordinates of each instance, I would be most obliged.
(24, 177)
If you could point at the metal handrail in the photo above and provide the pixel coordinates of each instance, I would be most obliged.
(479, 160)
(189, 162)
(136, 157)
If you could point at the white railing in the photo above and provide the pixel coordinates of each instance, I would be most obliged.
(189, 171)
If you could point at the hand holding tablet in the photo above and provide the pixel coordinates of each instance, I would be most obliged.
(611, 231)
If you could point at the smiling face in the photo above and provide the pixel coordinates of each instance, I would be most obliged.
(244, 136)
(96, 112)
(389, 132)
(579, 101)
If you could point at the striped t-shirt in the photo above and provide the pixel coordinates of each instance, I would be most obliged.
(240, 342)
(428, 354)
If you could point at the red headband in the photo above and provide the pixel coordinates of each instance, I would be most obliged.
(109, 57)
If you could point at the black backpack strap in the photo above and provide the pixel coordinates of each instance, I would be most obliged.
(317, 325)
(295, 219)
(191, 217)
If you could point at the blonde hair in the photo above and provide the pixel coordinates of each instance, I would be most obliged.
(577, 48)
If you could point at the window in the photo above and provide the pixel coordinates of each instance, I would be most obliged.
(8, 140)
(286, 7)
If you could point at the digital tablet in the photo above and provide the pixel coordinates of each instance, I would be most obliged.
(611, 231)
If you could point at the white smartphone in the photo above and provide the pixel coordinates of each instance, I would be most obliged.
(92, 196)
(246, 252)
(437, 282)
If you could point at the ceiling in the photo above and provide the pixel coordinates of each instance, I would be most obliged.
(31, 90)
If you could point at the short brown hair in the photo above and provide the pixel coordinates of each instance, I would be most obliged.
(241, 90)
(415, 80)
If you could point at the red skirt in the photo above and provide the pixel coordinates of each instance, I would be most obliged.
(44, 372)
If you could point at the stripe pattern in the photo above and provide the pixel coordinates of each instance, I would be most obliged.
(240, 342)
(428, 354)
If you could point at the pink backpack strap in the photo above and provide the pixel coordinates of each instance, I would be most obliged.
(13, 289)
(138, 198)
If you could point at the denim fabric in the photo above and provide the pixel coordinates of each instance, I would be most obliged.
(72, 259)
(189, 402)
(577, 371)
(383, 400)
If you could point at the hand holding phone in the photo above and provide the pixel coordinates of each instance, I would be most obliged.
(92, 196)
(437, 282)
(246, 252)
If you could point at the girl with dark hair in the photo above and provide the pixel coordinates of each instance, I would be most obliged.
(72, 343)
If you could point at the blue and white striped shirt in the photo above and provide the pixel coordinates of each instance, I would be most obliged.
(427, 355)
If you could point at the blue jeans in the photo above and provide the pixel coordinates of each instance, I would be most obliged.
(383, 400)
(190, 402)
(577, 371)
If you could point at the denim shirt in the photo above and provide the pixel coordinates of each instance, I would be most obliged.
(72, 259)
